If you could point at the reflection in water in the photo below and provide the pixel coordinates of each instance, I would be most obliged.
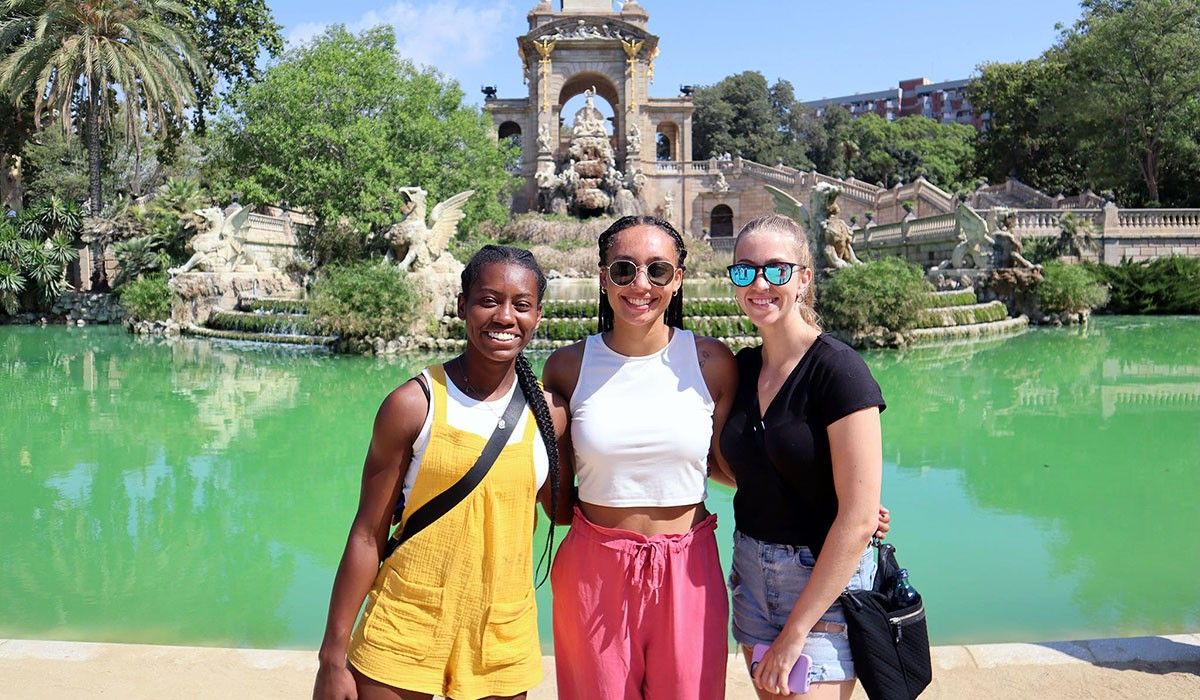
(165, 492)
(1091, 435)
(194, 492)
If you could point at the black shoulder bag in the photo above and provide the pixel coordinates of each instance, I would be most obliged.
(441, 504)
(888, 640)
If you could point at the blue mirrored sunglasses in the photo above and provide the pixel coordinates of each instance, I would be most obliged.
(777, 273)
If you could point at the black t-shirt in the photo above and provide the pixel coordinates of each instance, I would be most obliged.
(782, 461)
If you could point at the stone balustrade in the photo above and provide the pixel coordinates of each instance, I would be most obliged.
(1166, 220)
(938, 226)
(1135, 234)
(883, 233)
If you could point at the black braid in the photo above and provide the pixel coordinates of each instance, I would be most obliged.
(526, 379)
(674, 315)
(541, 412)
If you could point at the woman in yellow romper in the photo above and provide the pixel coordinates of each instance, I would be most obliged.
(451, 612)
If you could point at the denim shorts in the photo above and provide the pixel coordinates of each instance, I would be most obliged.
(765, 582)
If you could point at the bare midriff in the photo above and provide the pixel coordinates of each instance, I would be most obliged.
(646, 520)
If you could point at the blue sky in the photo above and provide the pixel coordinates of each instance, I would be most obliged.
(825, 49)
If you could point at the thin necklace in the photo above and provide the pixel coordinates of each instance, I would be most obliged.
(477, 393)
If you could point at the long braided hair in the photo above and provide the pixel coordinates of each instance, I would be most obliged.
(674, 315)
(526, 379)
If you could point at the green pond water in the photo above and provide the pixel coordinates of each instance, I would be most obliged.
(1043, 487)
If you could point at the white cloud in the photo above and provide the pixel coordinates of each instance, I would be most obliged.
(452, 36)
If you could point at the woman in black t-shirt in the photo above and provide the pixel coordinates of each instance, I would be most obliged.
(803, 443)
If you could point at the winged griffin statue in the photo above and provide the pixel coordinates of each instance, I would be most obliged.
(216, 245)
(828, 235)
(417, 245)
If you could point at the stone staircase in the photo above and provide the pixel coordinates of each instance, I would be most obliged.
(567, 321)
(956, 315)
(281, 321)
(949, 316)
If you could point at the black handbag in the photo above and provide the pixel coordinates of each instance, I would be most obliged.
(888, 639)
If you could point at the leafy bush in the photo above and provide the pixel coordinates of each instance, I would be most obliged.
(34, 253)
(155, 235)
(147, 298)
(1069, 288)
(277, 306)
(888, 293)
(702, 260)
(1040, 250)
(363, 299)
(958, 297)
(1169, 285)
(287, 324)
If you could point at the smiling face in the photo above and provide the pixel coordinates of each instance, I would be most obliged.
(764, 303)
(640, 302)
(501, 309)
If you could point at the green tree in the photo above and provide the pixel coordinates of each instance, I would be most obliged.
(831, 146)
(743, 116)
(231, 35)
(913, 147)
(1135, 73)
(340, 124)
(78, 58)
(1027, 136)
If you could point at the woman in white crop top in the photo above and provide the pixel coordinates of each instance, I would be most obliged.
(640, 604)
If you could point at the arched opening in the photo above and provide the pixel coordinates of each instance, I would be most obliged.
(510, 133)
(571, 99)
(722, 222)
(667, 141)
(587, 147)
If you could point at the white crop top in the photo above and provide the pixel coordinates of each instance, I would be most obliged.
(641, 426)
(479, 418)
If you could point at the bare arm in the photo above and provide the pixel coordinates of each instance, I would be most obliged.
(855, 442)
(566, 463)
(559, 376)
(397, 425)
(719, 368)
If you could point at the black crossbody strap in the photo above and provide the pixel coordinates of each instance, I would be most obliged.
(441, 504)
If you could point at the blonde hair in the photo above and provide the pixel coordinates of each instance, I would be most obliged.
(785, 226)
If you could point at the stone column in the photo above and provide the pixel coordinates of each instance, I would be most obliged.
(1110, 223)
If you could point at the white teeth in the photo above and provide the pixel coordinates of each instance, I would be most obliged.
(761, 302)
(502, 336)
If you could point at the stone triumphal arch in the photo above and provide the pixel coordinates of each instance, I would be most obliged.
(641, 159)
(596, 165)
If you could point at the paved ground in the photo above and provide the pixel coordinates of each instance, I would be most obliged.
(1142, 667)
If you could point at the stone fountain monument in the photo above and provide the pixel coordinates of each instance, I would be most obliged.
(587, 182)
(235, 256)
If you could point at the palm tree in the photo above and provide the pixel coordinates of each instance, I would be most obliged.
(77, 58)
(1076, 235)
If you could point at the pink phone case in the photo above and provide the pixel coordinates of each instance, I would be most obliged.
(797, 679)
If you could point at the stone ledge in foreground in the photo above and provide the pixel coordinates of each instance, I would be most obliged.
(1161, 667)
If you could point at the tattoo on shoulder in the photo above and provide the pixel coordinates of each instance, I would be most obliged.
(704, 355)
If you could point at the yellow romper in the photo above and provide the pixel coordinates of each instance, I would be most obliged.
(452, 611)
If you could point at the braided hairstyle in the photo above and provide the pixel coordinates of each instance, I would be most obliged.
(526, 379)
(674, 315)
